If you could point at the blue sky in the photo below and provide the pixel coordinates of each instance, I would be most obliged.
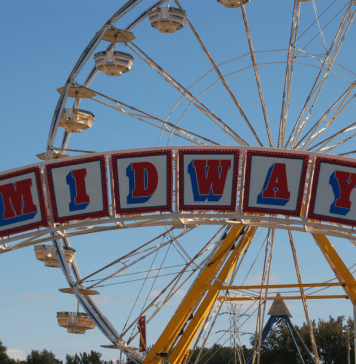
(42, 41)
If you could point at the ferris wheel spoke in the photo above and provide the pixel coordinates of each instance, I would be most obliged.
(270, 241)
(174, 289)
(320, 59)
(126, 266)
(312, 135)
(319, 26)
(165, 301)
(304, 300)
(259, 328)
(257, 76)
(93, 72)
(133, 252)
(187, 94)
(221, 77)
(159, 305)
(324, 147)
(329, 22)
(166, 126)
(213, 315)
(289, 74)
(77, 68)
(145, 117)
(320, 80)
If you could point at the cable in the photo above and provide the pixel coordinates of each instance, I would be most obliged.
(142, 279)
(143, 306)
(133, 306)
(140, 272)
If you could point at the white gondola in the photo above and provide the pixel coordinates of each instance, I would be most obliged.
(48, 255)
(167, 20)
(75, 323)
(233, 3)
(76, 120)
(113, 63)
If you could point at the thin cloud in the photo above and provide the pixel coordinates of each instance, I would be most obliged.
(31, 296)
(17, 354)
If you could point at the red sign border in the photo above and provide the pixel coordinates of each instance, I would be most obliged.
(297, 211)
(311, 215)
(131, 211)
(44, 213)
(91, 215)
(232, 207)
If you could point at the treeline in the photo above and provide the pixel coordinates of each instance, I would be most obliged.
(331, 339)
(47, 357)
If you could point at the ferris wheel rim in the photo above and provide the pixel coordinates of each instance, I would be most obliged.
(60, 105)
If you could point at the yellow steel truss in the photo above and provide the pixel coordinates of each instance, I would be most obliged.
(195, 294)
(203, 284)
(281, 298)
(342, 273)
(181, 349)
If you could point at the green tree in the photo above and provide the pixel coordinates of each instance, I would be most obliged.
(84, 358)
(43, 357)
(4, 359)
(330, 337)
(278, 348)
(217, 354)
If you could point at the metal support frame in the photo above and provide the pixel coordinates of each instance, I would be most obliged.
(182, 346)
(266, 330)
(342, 273)
(255, 298)
(289, 74)
(289, 322)
(321, 78)
(274, 320)
(193, 296)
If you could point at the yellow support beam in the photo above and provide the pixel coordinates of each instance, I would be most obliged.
(175, 325)
(182, 346)
(342, 273)
(281, 298)
(278, 286)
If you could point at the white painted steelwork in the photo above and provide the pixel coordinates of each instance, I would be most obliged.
(179, 218)
(167, 19)
(77, 120)
(75, 323)
(48, 255)
(233, 3)
(113, 63)
(59, 234)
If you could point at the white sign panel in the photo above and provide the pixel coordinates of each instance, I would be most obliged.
(142, 181)
(21, 202)
(334, 191)
(274, 182)
(78, 189)
(208, 179)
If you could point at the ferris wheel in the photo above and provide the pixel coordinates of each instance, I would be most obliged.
(244, 143)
